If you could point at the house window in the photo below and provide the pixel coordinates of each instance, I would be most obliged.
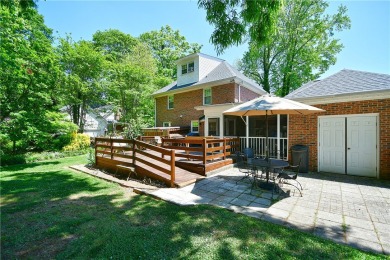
(191, 67)
(166, 124)
(187, 68)
(184, 69)
(170, 102)
(195, 126)
(207, 96)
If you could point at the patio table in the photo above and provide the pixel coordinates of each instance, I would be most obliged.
(268, 165)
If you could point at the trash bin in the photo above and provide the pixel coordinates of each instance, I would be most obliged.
(300, 153)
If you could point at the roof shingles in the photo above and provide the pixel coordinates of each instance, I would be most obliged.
(222, 72)
(343, 82)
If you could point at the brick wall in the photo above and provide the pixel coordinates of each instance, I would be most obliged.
(303, 129)
(247, 94)
(223, 94)
(184, 103)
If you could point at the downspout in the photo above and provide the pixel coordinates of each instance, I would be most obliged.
(239, 93)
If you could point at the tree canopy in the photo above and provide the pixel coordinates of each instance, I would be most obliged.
(37, 79)
(302, 48)
(84, 68)
(30, 92)
(238, 21)
(167, 46)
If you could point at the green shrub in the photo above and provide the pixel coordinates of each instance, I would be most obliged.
(30, 157)
(11, 159)
(78, 142)
(91, 157)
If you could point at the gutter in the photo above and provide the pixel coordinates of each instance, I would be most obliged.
(345, 97)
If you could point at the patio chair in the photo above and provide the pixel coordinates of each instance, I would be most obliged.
(249, 153)
(290, 174)
(243, 166)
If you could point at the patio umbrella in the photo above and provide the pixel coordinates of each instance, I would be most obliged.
(271, 105)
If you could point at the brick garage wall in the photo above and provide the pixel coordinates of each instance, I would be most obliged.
(303, 129)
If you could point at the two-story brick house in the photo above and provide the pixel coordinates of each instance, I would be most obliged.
(205, 87)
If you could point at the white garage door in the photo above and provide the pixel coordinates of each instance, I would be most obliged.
(348, 145)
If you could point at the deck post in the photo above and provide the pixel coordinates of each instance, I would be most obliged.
(173, 168)
(224, 148)
(162, 145)
(96, 158)
(134, 142)
(204, 150)
(112, 149)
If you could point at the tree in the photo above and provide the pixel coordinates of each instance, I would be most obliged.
(238, 21)
(84, 67)
(30, 77)
(300, 50)
(131, 76)
(168, 46)
(114, 44)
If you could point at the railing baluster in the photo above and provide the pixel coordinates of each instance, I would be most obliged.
(259, 144)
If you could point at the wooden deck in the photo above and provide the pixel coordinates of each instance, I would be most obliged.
(125, 167)
(176, 167)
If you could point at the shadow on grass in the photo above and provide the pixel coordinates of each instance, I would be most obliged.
(20, 167)
(60, 214)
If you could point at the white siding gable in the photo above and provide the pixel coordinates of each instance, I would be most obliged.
(204, 64)
(189, 77)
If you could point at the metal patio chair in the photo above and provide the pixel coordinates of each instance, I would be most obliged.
(290, 174)
(243, 166)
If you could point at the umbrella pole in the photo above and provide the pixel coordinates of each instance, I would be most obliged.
(266, 135)
(266, 143)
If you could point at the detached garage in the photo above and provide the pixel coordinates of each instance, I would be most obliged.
(353, 135)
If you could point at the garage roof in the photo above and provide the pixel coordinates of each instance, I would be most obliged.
(344, 82)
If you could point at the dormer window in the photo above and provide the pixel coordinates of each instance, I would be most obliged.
(187, 68)
(184, 69)
(191, 67)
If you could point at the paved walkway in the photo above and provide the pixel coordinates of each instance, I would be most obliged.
(346, 209)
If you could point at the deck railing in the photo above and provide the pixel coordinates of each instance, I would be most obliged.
(279, 151)
(203, 149)
(112, 152)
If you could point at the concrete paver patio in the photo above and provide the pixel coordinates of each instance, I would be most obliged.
(347, 209)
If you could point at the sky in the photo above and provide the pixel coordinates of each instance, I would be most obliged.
(366, 44)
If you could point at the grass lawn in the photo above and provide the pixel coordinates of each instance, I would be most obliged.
(50, 211)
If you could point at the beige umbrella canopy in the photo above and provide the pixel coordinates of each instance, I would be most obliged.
(271, 105)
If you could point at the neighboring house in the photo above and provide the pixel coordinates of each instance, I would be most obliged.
(353, 135)
(96, 121)
(205, 87)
